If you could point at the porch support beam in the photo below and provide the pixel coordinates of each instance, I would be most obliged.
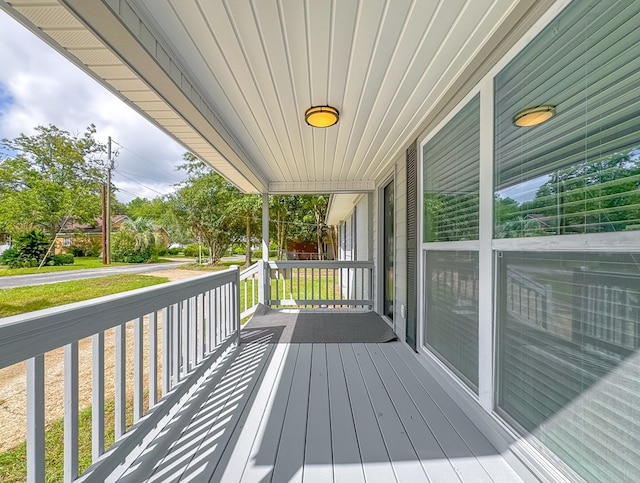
(305, 187)
(265, 227)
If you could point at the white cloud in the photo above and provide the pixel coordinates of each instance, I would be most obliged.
(39, 87)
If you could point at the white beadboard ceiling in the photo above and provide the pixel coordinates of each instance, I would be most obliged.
(231, 79)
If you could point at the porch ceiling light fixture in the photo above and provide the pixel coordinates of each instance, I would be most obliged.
(321, 116)
(533, 116)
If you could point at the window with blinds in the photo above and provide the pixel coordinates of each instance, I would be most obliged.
(568, 322)
(568, 356)
(451, 331)
(451, 178)
(580, 171)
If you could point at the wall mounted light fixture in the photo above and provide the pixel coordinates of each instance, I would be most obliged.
(321, 116)
(533, 116)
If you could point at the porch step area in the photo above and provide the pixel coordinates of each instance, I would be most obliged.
(321, 413)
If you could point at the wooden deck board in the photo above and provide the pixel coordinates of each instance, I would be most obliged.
(238, 453)
(346, 452)
(375, 458)
(290, 458)
(199, 448)
(166, 441)
(322, 413)
(429, 396)
(259, 467)
(434, 461)
(404, 459)
(318, 459)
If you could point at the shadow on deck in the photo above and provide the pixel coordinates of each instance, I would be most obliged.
(279, 412)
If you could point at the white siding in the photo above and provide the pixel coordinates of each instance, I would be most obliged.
(358, 247)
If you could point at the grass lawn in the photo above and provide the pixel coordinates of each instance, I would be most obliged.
(80, 263)
(26, 299)
(20, 300)
(221, 265)
(13, 463)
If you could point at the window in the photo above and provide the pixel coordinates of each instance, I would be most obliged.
(451, 178)
(452, 311)
(451, 160)
(569, 338)
(568, 348)
(580, 171)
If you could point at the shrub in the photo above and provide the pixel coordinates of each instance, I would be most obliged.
(62, 259)
(29, 248)
(174, 251)
(162, 251)
(193, 251)
(12, 259)
(32, 244)
(124, 249)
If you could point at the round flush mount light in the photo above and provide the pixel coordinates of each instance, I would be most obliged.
(533, 116)
(321, 116)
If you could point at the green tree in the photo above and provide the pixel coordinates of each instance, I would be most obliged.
(285, 212)
(53, 177)
(160, 211)
(247, 211)
(204, 204)
(315, 209)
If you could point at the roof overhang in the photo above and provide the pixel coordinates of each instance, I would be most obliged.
(231, 80)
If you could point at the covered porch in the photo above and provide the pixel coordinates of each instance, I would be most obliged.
(484, 166)
(321, 413)
(214, 401)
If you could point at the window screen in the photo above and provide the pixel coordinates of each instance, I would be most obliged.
(451, 178)
(580, 171)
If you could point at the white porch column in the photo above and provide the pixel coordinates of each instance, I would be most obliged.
(263, 284)
(265, 227)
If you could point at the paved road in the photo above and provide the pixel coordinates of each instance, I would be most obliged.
(53, 277)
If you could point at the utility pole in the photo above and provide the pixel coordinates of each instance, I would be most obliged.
(106, 215)
(104, 225)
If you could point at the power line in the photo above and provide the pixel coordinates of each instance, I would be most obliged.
(140, 176)
(144, 186)
(135, 154)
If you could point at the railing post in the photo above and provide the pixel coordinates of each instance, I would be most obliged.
(70, 412)
(166, 348)
(120, 380)
(262, 272)
(97, 396)
(35, 419)
(236, 300)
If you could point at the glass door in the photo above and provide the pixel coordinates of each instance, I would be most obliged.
(388, 242)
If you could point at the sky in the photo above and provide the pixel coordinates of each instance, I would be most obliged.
(39, 87)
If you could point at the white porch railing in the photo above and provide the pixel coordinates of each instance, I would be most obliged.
(308, 284)
(190, 323)
(251, 289)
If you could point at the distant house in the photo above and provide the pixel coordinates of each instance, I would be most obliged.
(304, 250)
(74, 233)
(5, 242)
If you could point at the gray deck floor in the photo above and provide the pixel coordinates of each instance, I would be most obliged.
(321, 413)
